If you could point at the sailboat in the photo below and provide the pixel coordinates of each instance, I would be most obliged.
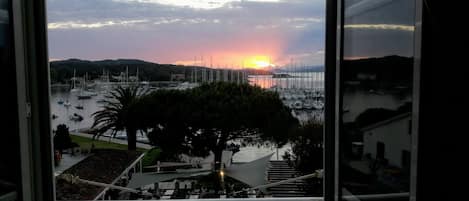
(67, 104)
(74, 88)
(84, 94)
(76, 117)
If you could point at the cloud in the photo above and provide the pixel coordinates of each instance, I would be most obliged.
(82, 25)
(195, 4)
(127, 23)
(168, 31)
(381, 27)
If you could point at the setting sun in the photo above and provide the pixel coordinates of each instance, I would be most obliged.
(262, 64)
(259, 62)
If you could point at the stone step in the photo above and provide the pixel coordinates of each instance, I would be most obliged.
(280, 166)
(283, 172)
(289, 184)
(287, 187)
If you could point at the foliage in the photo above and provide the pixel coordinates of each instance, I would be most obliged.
(375, 115)
(307, 148)
(205, 118)
(116, 113)
(151, 157)
(62, 138)
(390, 71)
(307, 154)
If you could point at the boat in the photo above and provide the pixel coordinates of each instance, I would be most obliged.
(318, 105)
(80, 107)
(60, 102)
(298, 105)
(308, 105)
(76, 117)
(54, 116)
(74, 87)
(67, 104)
(92, 93)
(84, 96)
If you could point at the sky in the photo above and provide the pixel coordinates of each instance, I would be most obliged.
(224, 33)
(377, 28)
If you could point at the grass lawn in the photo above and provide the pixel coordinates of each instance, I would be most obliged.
(151, 157)
(83, 141)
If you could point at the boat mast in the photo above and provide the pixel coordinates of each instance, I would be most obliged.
(127, 75)
(137, 76)
(74, 78)
(211, 69)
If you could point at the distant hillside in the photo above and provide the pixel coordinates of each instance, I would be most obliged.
(62, 71)
(300, 69)
(380, 72)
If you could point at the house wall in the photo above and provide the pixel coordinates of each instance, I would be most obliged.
(394, 135)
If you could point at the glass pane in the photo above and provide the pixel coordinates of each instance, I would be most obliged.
(230, 97)
(376, 90)
(10, 175)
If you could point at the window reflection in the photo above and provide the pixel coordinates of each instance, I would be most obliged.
(376, 90)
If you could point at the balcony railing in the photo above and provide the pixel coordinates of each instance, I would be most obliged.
(133, 166)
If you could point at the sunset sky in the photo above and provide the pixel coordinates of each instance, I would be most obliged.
(257, 33)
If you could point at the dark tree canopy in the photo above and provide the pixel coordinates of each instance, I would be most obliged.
(205, 118)
(307, 154)
(307, 147)
(62, 138)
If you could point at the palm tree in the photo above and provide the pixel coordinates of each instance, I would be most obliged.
(116, 114)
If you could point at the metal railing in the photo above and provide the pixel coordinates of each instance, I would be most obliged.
(125, 172)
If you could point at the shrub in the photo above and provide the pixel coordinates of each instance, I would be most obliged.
(151, 157)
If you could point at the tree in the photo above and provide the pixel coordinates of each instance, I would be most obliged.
(307, 154)
(164, 113)
(205, 118)
(62, 138)
(307, 147)
(227, 112)
(117, 115)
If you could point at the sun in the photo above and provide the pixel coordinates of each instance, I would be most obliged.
(259, 62)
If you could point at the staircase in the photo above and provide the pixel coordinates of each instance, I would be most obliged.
(280, 170)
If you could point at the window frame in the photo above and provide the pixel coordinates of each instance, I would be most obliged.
(32, 79)
(338, 100)
(32, 74)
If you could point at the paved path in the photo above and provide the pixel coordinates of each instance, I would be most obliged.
(113, 140)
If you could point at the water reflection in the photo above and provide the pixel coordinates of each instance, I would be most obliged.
(292, 80)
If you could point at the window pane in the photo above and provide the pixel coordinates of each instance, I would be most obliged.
(376, 91)
(230, 97)
(10, 168)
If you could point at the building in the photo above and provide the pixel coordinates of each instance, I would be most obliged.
(389, 140)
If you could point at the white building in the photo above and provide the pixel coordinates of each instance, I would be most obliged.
(389, 139)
